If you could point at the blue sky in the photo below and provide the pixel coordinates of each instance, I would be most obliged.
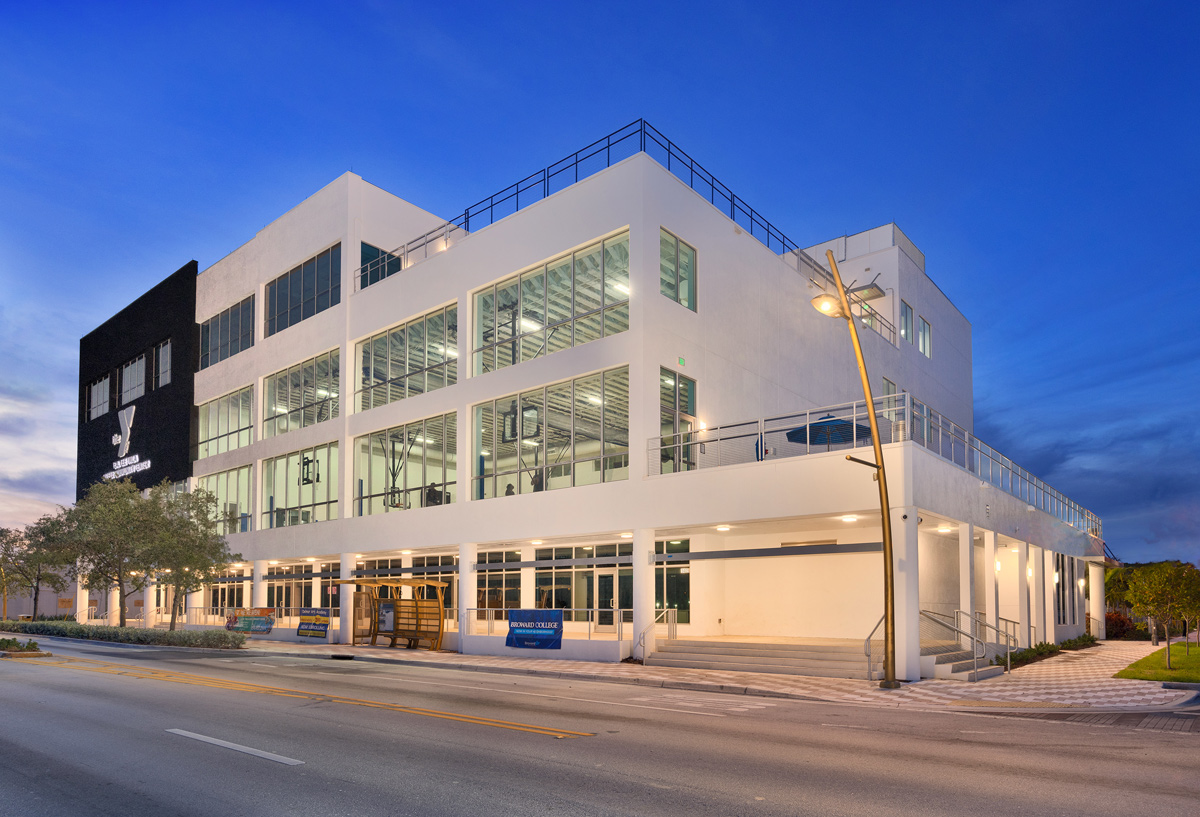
(1043, 155)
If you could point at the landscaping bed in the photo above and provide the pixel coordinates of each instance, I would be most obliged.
(1185, 666)
(1042, 651)
(212, 639)
(13, 648)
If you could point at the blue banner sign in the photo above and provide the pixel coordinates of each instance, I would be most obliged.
(536, 629)
(314, 622)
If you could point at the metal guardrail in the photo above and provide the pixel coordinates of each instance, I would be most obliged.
(670, 617)
(869, 646)
(933, 625)
(494, 621)
(996, 641)
(845, 426)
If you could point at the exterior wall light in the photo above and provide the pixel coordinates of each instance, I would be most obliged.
(1029, 572)
(943, 529)
(997, 565)
(1056, 577)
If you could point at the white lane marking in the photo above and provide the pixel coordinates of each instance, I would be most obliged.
(535, 694)
(844, 726)
(237, 747)
(728, 703)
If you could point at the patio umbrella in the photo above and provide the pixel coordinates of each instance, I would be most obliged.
(830, 430)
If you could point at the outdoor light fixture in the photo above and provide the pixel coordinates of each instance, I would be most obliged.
(839, 307)
(1029, 572)
(535, 541)
(626, 535)
(1056, 577)
(722, 528)
(405, 552)
(309, 559)
(997, 565)
(943, 529)
(273, 562)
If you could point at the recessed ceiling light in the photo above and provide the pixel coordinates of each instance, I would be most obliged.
(273, 562)
(626, 535)
(357, 555)
(676, 542)
(722, 528)
(943, 528)
(405, 552)
(849, 518)
(1016, 550)
(309, 559)
(535, 541)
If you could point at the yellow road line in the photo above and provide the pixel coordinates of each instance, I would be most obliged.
(106, 668)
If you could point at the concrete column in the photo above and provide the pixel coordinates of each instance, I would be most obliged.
(347, 565)
(966, 568)
(468, 554)
(114, 606)
(1096, 606)
(148, 595)
(643, 592)
(406, 564)
(908, 596)
(1023, 594)
(1037, 587)
(81, 601)
(991, 589)
(528, 579)
(1051, 588)
(315, 584)
(247, 587)
(258, 591)
(194, 607)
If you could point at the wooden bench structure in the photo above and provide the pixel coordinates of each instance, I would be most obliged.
(420, 618)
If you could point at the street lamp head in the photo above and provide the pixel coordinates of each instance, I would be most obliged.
(828, 304)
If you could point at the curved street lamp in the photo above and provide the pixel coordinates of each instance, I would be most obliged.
(839, 307)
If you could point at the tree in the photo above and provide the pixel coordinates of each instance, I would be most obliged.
(111, 535)
(1116, 589)
(1160, 590)
(190, 552)
(1189, 608)
(33, 558)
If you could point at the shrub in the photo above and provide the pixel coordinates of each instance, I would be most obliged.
(15, 645)
(1028, 655)
(1082, 642)
(218, 639)
(1118, 626)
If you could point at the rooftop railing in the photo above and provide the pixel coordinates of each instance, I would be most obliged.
(846, 426)
(636, 137)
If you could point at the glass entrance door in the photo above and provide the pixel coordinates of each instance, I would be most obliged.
(606, 601)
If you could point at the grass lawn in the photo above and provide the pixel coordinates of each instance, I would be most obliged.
(1153, 667)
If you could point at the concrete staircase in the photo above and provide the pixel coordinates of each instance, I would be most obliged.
(833, 660)
(942, 661)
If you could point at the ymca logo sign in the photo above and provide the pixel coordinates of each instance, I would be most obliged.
(126, 465)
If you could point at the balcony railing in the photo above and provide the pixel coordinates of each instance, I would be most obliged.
(846, 426)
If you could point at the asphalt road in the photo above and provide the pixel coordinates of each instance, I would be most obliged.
(89, 733)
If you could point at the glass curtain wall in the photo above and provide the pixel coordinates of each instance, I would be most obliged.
(447, 572)
(409, 466)
(677, 270)
(232, 491)
(300, 487)
(226, 423)
(567, 434)
(227, 333)
(569, 301)
(306, 290)
(498, 588)
(672, 581)
(574, 586)
(410, 359)
(302, 395)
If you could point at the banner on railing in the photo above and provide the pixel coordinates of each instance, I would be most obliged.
(314, 622)
(535, 629)
(251, 620)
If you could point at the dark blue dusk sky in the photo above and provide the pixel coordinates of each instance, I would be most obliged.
(1043, 155)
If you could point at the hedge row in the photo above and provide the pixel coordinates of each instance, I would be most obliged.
(218, 639)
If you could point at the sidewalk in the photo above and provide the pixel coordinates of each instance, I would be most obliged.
(1071, 680)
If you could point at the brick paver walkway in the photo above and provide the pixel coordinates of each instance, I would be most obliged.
(1080, 679)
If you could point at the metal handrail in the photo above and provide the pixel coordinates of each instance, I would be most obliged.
(978, 620)
(867, 644)
(669, 616)
(976, 644)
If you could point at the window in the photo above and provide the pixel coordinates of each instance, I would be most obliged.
(232, 491)
(228, 594)
(567, 434)
(573, 587)
(306, 290)
(499, 587)
(300, 487)
(133, 379)
(569, 301)
(906, 321)
(677, 415)
(303, 395)
(677, 270)
(672, 581)
(445, 570)
(413, 358)
(225, 424)
(162, 364)
(375, 265)
(924, 338)
(99, 398)
(409, 466)
(227, 333)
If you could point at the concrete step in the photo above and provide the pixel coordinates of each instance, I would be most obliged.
(984, 673)
(815, 670)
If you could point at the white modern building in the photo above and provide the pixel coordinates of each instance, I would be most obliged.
(604, 390)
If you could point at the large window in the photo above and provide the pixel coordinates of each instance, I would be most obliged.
(304, 291)
(302, 395)
(409, 466)
(567, 434)
(584, 588)
(232, 490)
(99, 398)
(162, 364)
(677, 270)
(292, 586)
(227, 333)
(300, 487)
(413, 358)
(498, 587)
(906, 321)
(569, 301)
(133, 379)
(677, 416)
(673, 581)
(447, 572)
(925, 338)
(225, 424)
(376, 264)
